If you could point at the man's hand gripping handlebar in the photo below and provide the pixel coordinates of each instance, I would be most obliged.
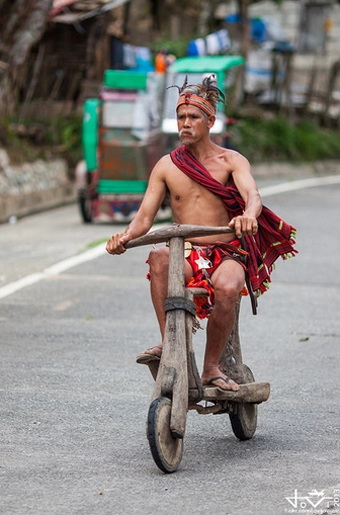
(117, 243)
(120, 242)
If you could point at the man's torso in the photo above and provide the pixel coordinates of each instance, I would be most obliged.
(193, 204)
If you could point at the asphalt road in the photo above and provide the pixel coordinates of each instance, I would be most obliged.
(74, 403)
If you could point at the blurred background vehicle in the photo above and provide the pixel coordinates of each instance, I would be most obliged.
(122, 141)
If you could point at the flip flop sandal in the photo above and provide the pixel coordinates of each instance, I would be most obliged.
(144, 358)
(217, 378)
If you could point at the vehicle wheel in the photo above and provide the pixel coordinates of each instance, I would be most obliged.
(166, 450)
(244, 422)
(85, 206)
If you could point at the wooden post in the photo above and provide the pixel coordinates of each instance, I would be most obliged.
(334, 73)
(174, 355)
(194, 379)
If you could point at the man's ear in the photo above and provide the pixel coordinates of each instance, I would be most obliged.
(211, 121)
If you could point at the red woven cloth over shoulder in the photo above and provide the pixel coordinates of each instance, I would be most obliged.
(275, 238)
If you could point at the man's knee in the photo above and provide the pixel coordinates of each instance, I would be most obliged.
(228, 281)
(228, 288)
(227, 292)
(159, 259)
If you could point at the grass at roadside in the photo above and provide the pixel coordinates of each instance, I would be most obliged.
(95, 243)
(276, 139)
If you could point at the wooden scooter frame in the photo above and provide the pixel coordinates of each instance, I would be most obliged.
(178, 387)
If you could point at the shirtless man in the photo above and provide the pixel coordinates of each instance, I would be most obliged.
(192, 203)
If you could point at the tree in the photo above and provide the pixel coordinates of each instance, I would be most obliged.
(23, 24)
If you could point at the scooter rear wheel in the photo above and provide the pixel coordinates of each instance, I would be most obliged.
(165, 449)
(244, 422)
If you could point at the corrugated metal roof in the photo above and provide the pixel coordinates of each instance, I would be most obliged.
(207, 63)
(82, 9)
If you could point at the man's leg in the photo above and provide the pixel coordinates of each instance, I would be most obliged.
(228, 280)
(159, 271)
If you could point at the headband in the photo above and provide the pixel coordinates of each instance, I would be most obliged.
(195, 100)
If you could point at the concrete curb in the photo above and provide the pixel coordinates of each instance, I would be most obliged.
(32, 187)
(24, 204)
(292, 171)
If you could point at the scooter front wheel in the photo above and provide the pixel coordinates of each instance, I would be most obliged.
(165, 449)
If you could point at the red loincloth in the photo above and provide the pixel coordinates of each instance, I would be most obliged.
(211, 256)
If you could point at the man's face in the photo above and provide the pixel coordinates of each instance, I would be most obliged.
(192, 123)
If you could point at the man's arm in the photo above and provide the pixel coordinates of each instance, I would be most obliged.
(246, 185)
(145, 215)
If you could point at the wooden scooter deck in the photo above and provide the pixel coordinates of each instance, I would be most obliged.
(249, 392)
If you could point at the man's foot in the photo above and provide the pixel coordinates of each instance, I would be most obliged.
(222, 383)
(152, 354)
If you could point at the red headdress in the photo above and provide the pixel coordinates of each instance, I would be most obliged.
(197, 101)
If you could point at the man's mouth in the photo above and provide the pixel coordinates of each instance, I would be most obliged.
(186, 133)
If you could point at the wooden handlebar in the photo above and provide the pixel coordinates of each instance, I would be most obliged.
(177, 231)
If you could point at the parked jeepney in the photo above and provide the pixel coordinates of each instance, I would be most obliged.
(195, 69)
(122, 141)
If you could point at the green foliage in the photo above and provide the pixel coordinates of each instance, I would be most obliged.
(66, 134)
(176, 47)
(29, 140)
(277, 140)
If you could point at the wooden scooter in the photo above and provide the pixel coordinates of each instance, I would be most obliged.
(178, 387)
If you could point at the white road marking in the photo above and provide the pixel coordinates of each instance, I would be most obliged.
(95, 252)
(299, 185)
(56, 269)
(19, 284)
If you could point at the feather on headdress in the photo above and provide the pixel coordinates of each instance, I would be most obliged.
(204, 96)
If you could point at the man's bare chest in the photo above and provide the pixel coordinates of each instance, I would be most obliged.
(179, 184)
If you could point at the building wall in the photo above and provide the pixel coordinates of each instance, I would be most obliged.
(308, 67)
(288, 14)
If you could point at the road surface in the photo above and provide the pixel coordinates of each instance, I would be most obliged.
(74, 403)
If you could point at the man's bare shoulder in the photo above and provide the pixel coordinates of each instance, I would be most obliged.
(236, 160)
(164, 160)
(162, 166)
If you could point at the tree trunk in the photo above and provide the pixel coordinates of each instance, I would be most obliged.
(204, 18)
(244, 47)
(244, 26)
(23, 23)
